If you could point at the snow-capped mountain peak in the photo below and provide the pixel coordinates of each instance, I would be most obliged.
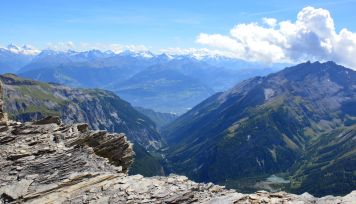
(25, 50)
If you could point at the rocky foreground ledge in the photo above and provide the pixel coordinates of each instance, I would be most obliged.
(49, 162)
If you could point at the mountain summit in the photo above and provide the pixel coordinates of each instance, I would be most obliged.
(268, 125)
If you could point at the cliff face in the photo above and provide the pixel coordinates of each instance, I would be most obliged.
(49, 162)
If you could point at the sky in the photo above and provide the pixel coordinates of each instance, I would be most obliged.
(182, 24)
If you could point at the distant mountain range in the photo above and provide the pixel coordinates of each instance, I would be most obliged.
(299, 123)
(120, 72)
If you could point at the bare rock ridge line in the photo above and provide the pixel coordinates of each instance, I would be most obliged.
(50, 162)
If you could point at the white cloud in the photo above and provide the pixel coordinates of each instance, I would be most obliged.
(117, 48)
(272, 22)
(83, 46)
(197, 53)
(311, 37)
(61, 46)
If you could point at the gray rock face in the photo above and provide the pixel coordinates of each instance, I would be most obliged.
(49, 162)
(3, 116)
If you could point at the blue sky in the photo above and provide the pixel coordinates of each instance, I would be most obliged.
(153, 23)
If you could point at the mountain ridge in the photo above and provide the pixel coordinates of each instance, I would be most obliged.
(263, 125)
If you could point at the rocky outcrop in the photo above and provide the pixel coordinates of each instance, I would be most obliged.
(36, 157)
(50, 162)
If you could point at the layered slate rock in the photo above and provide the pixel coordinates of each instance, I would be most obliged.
(44, 156)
